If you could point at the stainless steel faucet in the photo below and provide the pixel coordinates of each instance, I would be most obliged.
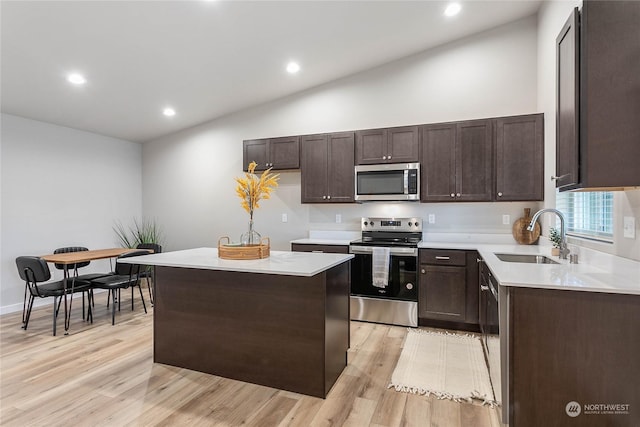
(564, 250)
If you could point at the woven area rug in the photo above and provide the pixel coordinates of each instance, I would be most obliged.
(446, 365)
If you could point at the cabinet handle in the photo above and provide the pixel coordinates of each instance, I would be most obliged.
(457, 194)
(384, 157)
(478, 260)
(453, 195)
(324, 197)
(423, 271)
(388, 157)
(484, 288)
(444, 258)
(555, 178)
(318, 252)
(329, 197)
(499, 193)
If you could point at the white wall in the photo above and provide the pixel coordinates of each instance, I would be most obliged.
(551, 18)
(61, 187)
(188, 176)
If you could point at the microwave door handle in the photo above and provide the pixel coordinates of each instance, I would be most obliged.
(406, 181)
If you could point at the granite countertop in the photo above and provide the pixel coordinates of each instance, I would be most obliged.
(280, 262)
(596, 271)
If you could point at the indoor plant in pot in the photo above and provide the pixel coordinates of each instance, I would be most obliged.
(554, 236)
(142, 231)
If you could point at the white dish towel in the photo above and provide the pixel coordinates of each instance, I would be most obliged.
(380, 267)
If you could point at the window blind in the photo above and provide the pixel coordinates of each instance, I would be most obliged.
(588, 214)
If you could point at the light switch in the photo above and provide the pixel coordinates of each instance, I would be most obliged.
(506, 219)
(432, 219)
(338, 218)
(629, 226)
(285, 218)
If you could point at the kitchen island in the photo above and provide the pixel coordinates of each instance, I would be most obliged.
(282, 321)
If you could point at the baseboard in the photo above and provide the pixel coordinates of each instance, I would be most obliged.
(39, 302)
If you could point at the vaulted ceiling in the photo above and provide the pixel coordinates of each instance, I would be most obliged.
(206, 59)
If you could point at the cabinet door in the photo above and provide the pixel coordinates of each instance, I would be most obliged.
(255, 150)
(474, 161)
(371, 146)
(438, 165)
(341, 168)
(519, 158)
(567, 95)
(610, 94)
(442, 293)
(284, 153)
(314, 166)
(402, 144)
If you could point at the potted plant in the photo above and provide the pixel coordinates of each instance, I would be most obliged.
(554, 236)
(142, 231)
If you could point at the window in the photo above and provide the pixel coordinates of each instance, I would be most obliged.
(588, 214)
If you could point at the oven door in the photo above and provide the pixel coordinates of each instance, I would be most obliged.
(402, 274)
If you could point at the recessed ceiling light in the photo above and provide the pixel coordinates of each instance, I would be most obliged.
(169, 112)
(293, 67)
(76, 79)
(452, 9)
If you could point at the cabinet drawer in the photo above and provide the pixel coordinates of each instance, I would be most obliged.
(310, 247)
(442, 257)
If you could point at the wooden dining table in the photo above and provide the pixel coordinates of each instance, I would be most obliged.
(69, 259)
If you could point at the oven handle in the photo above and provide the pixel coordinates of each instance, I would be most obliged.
(364, 250)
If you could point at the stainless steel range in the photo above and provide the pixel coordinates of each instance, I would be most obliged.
(384, 272)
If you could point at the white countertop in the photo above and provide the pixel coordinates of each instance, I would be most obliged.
(329, 237)
(284, 263)
(596, 272)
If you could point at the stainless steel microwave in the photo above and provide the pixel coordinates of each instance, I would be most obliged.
(400, 181)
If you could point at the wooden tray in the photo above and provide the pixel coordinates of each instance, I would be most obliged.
(229, 251)
(520, 232)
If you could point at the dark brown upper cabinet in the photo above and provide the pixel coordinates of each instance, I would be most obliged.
(519, 158)
(390, 145)
(598, 76)
(456, 162)
(276, 153)
(327, 168)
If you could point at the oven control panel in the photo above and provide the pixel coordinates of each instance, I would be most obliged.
(392, 224)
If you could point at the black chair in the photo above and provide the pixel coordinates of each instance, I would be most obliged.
(146, 272)
(125, 276)
(34, 270)
(85, 278)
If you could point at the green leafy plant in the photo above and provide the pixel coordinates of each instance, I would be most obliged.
(554, 236)
(142, 231)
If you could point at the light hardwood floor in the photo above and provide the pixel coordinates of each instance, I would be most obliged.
(103, 375)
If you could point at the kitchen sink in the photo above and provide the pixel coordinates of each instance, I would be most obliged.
(526, 258)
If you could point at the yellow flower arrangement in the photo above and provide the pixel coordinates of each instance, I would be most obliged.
(252, 189)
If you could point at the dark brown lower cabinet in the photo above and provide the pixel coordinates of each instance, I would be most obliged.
(573, 357)
(448, 289)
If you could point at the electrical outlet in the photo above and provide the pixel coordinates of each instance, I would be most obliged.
(285, 218)
(338, 218)
(506, 219)
(432, 219)
(629, 227)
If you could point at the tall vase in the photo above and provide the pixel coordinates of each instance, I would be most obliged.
(250, 237)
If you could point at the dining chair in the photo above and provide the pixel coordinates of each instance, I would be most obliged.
(34, 271)
(85, 278)
(146, 272)
(124, 276)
